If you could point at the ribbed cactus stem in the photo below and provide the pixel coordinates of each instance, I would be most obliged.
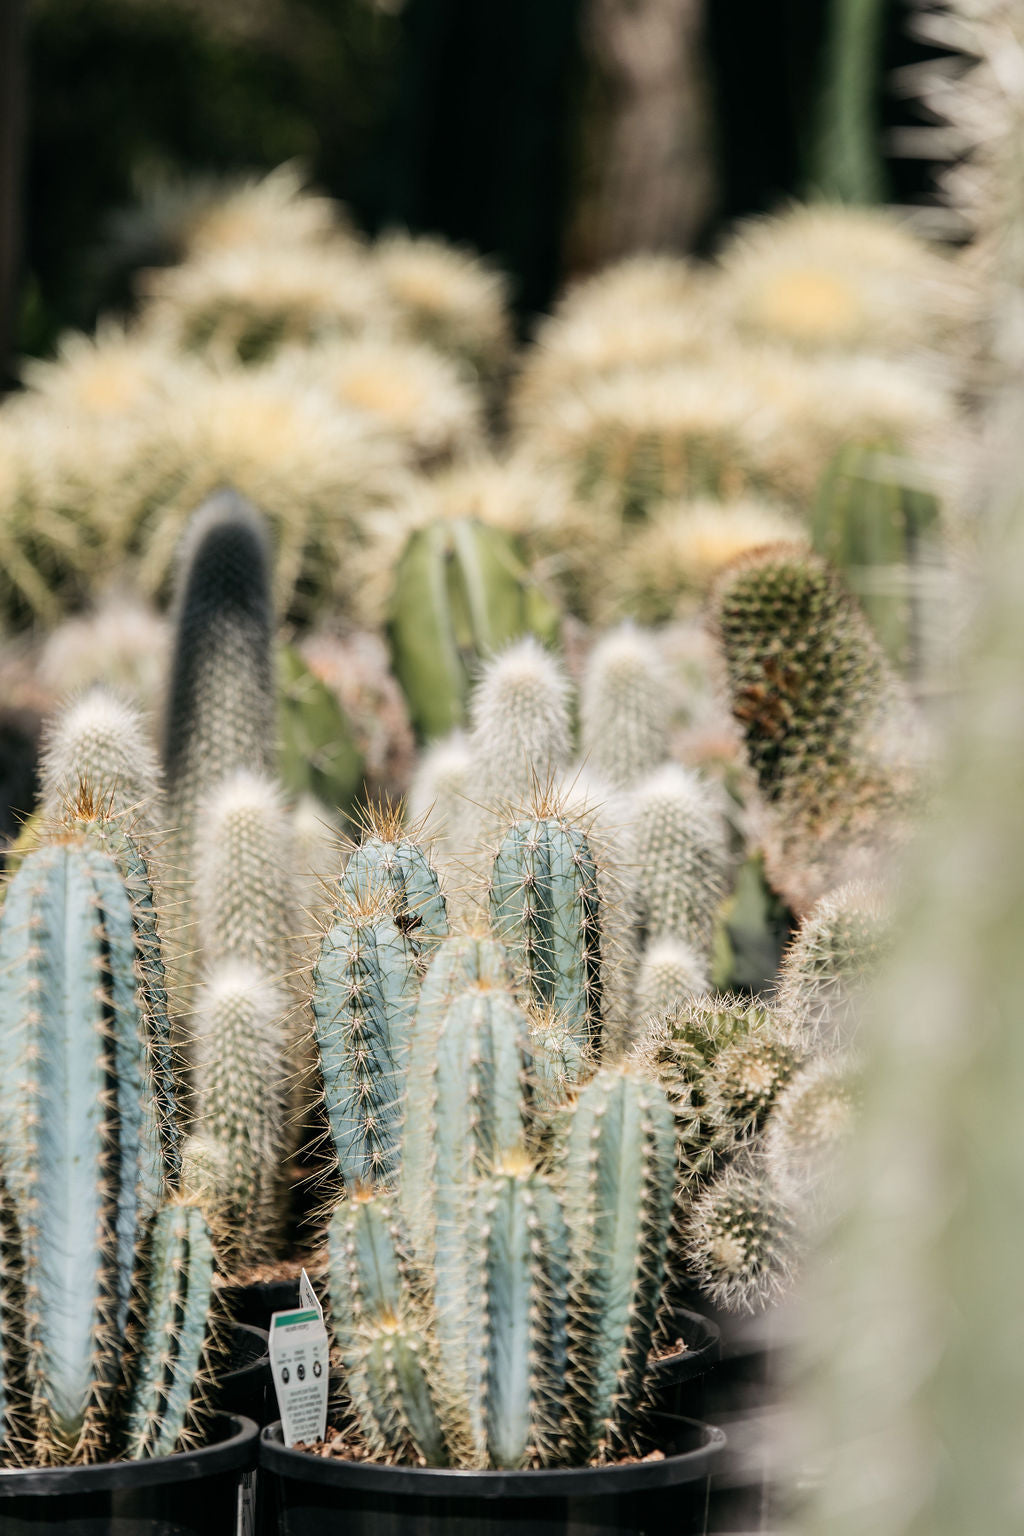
(242, 1072)
(365, 989)
(245, 899)
(386, 863)
(625, 700)
(465, 1107)
(524, 1261)
(618, 1186)
(742, 1086)
(681, 857)
(168, 1397)
(367, 1262)
(545, 907)
(80, 1139)
(99, 742)
(397, 1404)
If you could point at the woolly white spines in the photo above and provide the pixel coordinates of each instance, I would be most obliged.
(624, 707)
(681, 857)
(670, 973)
(520, 724)
(740, 1240)
(242, 1076)
(437, 794)
(245, 888)
(811, 1118)
(98, 741)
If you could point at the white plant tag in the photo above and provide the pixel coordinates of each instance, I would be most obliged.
(299, 1364)
(307, 1295)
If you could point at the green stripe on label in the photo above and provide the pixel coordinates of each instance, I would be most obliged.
(283, 1319)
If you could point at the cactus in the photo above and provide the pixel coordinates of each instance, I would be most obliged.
(386, 863)
(519, 737)
(393, 1365)
(810, 1119)
(242, 1077)
(873, 523)
(461, 592)
(98, 742)
(670, 973)
(744, 1082)
(834, 955)
(80, 1139)
(365, 986)
(319, 754)
(170, 1374)
(618, 1184)
(367, 1262)
(624, 707)
(437, 794)
(220, 710)
(740, 1240)
(545, 907)
(244, 896)
(681, 857)
(462, 1112)
(811, 692)
(524, 1263)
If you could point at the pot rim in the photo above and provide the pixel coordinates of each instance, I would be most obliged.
(553, 1482)
(671, 1370)
(237, 1452)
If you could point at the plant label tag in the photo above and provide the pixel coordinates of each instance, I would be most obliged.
(299, 1363)
(307, 1295)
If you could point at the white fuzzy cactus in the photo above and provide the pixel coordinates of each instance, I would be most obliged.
(99, 742)
(681, 856)
(624, 707)
(670, 973)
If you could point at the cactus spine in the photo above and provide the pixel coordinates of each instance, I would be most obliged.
(618, 1186)
(80, 1139)
(545, 907)
(681, 858)
(244, 894)
(739, 1240)
(98, 743)
(388, 863)
(624, 707)
(165, 1412)
(365, 985)
(835, 952)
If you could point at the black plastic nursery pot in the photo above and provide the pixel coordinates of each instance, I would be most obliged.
(320, 1496)
(676, 1383)
(255, 1304)
(194, 1493)
(244, 1383)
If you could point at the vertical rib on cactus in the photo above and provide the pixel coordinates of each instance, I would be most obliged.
(79, 1132)
(624, 707)
(465, 1107)
(367, 1261)
(220, 708)
(524, 1261)
(165, 1413)
(618, 1186)
(397, 1404)
(545, 908)
(245, 902)
(242, 1071)
(99, 742)
(681, 857)
(365, 988)
(386, 862)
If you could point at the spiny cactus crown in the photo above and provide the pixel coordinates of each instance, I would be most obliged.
(99, 742)
(624, 707)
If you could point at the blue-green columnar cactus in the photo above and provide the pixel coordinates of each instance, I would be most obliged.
(80, 1133)
(461, 592)
(523, 1254)
(368, 1261)
(619, 1179)
(388, 862)
(365, 989)
(545, 907)
(165, 1413)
